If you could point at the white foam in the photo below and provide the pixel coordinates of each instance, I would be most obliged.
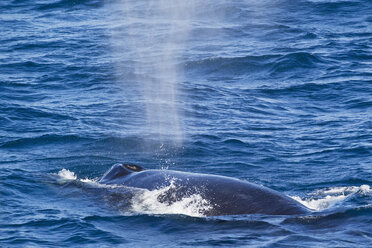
(148, 202)
(66, 175)
(327, 198)
(320, 204)
(365, 189)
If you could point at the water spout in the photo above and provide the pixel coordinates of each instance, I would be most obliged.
(154, 47)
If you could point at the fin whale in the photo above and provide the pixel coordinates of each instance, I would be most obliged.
(227, 196)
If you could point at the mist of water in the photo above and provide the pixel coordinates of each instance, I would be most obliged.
(151, 50)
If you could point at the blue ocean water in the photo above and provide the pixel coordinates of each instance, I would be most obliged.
(275, 92)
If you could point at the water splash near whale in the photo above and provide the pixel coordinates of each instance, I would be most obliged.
(329, 197)
(148, 203)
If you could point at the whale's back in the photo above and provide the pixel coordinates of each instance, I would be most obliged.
(227, 196)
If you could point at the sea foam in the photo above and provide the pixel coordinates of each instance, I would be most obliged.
(326, 198)
(148, 202)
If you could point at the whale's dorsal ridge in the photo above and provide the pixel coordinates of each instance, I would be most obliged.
(119, 170)
(133, 167)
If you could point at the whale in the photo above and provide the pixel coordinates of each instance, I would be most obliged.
(226, 195)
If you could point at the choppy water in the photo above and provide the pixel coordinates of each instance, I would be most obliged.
(276, 92)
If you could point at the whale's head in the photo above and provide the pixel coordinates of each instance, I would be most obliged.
(119, 170)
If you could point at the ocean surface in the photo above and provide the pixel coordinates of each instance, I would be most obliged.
(274, 92)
